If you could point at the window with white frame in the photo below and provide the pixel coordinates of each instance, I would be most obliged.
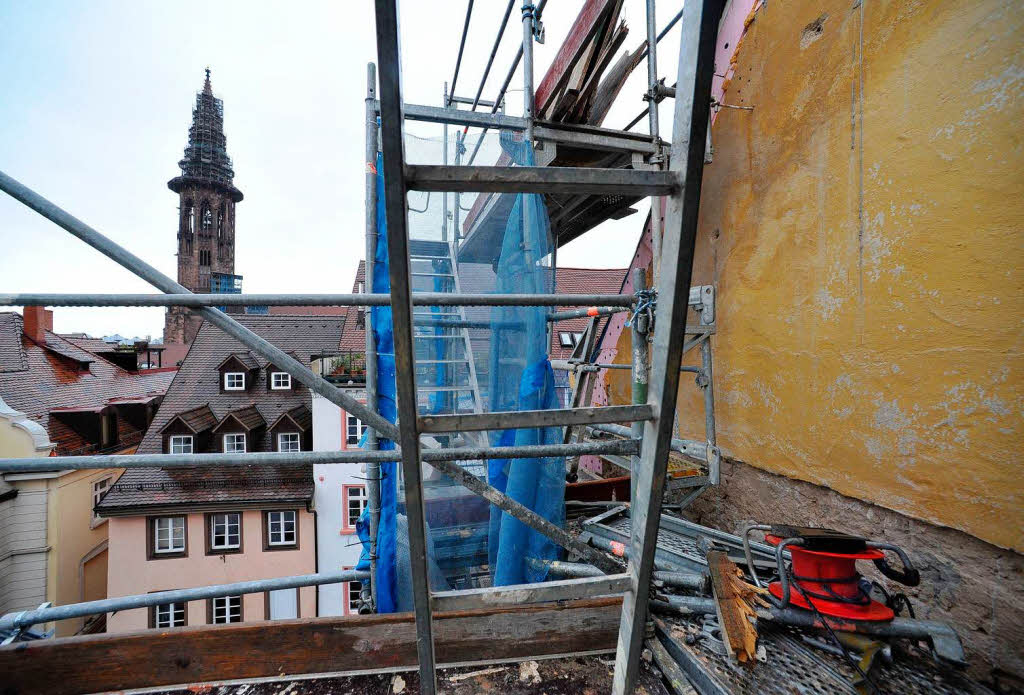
(565, 339)
(169, 615)
(281, 528)
(169, 534)
(180, 444)
(355, 503)
(226, 609)
(289, 441)
(354, 591)
(280, 381)
(226, 531)
(355, 429)
(234, 443)
(98, 488)
(234, 381)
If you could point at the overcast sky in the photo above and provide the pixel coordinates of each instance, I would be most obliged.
(97, 101)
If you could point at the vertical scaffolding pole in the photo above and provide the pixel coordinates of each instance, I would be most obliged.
(714, 462)
(372, 468)
(652, 116)
(693, 102)
(393, 148)
(641, 362)
(444, 160)
(528, 70)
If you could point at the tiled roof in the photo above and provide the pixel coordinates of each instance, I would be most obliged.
(198, 419)
(248, 417)
(208, 486)
(246, 359)
(12, 355)
(300, 415)
(198, 381)
(582, 281)
(54, 376)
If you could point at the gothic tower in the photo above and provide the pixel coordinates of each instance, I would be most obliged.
(206, 218)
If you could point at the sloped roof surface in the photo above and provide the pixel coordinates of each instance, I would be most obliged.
(198, 419)
(36, 379)
(12, 355)
(198, 380)
(300, 415)
(209, 485)
(248, 417)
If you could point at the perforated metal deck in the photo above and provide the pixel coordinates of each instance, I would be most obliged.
(792, 667)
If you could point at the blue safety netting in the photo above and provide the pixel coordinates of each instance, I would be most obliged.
(471, 360)
(520, 333)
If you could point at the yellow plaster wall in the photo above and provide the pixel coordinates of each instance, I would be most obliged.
(73, 536)
(870, 288)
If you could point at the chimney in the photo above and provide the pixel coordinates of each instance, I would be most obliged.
(37, 321)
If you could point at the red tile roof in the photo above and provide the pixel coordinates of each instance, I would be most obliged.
(61, 376)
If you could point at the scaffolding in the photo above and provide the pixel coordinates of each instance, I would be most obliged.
(658, 345)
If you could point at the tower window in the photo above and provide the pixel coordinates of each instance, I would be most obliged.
(207, 218)
(204, 256)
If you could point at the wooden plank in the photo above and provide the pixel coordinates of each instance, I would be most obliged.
(610, 87)
(98, 663)
(569, 52)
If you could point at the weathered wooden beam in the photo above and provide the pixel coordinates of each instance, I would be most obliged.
(98, 663)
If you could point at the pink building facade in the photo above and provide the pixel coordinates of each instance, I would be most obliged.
(144, 558)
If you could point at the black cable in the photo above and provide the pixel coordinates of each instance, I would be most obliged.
(835, 638)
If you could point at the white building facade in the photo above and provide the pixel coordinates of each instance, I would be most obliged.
(339, 497)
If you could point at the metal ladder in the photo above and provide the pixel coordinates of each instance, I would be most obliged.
(680, 183)
(433, 262)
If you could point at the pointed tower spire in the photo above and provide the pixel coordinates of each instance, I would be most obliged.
(206, 160)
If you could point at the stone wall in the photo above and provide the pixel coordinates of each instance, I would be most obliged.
(976, 587)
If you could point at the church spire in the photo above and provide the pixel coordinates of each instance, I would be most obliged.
(206, 160)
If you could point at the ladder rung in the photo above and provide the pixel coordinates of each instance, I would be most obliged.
(595, 181)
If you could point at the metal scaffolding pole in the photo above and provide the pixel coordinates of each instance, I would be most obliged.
(128, 260)
(640, 373)
(369, 299)
(657, 159)
(462, 46)
(693, 102)
(125, 603)
(393, 147)
(372, 467)
(504, 86)
(434, 457)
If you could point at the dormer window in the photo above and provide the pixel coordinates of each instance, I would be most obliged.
(234, 381)
(280, 381)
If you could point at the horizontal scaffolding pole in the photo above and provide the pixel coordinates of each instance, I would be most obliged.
(585, 180)
(589, 586)
(692, 581)
(418, 299)
(474, 422)
(693, 449)
(570, 366)
(53, 463)
(125, 603)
